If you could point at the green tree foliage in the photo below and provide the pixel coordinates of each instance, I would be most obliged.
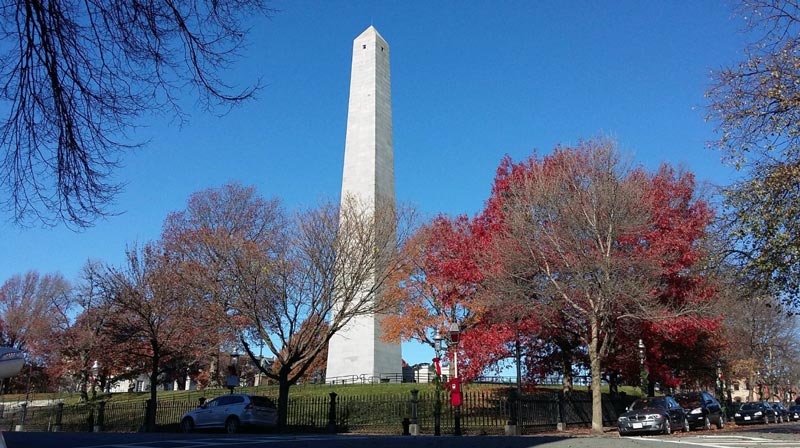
(756, 105)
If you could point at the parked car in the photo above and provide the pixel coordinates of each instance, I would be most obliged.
(702, 409)
(654, 414)
(755, 412)
(783, 413)
(231, 412)
(794, 413)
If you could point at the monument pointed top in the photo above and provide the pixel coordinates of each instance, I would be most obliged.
(370, 31)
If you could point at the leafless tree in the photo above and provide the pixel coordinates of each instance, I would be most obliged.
(335, 268)
(75, 76)
(287, 282)
(762, 344)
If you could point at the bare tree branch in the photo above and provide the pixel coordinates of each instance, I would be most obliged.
(75, 77)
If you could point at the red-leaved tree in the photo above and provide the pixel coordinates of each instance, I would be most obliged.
(583, 233)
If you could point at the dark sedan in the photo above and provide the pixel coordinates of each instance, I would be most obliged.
(755, 412)
(702, 409)
(655, 414)
(783, 413)
(794, 413)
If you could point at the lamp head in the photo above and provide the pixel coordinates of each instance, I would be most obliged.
(455, 333)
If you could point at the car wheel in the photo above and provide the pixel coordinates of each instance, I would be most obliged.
(721, 422)
(232, 425)
(706, 423)
(686, 427)
(187, 425)
(667, 426)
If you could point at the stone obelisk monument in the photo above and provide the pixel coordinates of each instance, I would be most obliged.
(368, 176)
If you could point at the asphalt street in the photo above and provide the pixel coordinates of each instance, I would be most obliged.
(773, 436)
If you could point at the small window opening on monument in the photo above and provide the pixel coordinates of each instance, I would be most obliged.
(381, 48)
(364, 47)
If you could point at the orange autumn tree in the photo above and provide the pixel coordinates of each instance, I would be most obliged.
(441, 284)
(150, 314)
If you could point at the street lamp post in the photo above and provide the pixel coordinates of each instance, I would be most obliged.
(232, 380)
(642, 370)
(455, 387)
(721, 387)
(437, 406)
(95, 372)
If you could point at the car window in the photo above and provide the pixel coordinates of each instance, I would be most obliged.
(794, 408)
(750, 407)
(649, 403)
(263, 402)
(226, 400)
(212, 403)
(688, 401)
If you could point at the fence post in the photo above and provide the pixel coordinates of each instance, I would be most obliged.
(98, 422)
(145, 425)
(59, 417)
(21, 426)
(414, 427)
(437, 410)
(332, 413)
(511, 426)
(561, 425)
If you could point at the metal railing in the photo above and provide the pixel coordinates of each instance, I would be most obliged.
(366, 379)
(482, 412)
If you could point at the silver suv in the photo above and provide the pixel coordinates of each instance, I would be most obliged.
(231, 412)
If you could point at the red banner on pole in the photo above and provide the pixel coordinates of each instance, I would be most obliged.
(455, 391)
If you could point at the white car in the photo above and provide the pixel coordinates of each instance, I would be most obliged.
(232, 412)
(11, 362)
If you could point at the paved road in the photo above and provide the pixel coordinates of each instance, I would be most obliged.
(724, 441)
(773, 436)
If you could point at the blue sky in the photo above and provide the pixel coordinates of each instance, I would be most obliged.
(471, 82)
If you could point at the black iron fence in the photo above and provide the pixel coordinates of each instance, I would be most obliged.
(482, 412)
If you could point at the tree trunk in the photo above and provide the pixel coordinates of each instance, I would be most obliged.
(84, 387)
(213, 371)
(152, 404)
(283, 398)
(566, 381)
(597, 395)
(613, 383)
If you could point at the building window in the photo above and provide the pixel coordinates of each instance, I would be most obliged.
(736, 385)
(364, 47)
